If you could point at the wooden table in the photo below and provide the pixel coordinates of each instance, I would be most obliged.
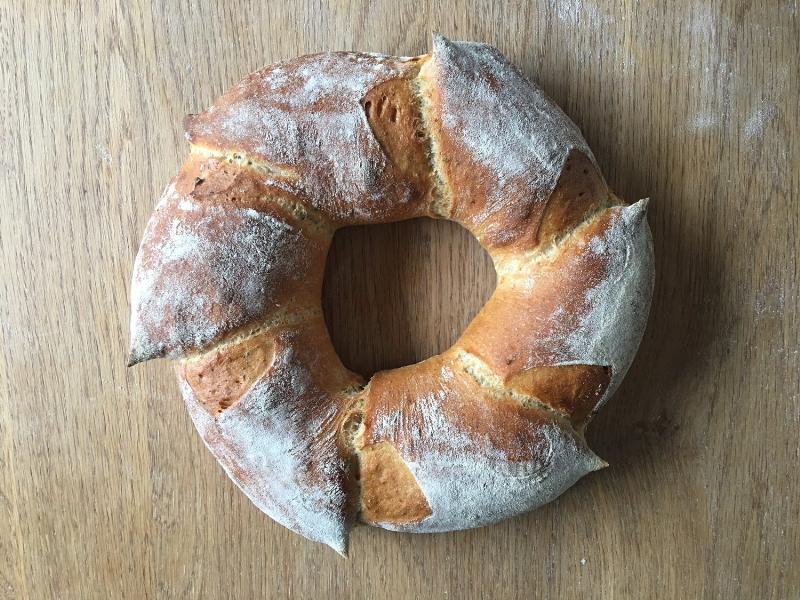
(107, 492)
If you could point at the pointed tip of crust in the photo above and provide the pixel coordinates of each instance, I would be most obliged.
(141, 352)
(636, 212)
(642, 205)
(340, 546)
(135, 356)
(599, 464)
(440, 42)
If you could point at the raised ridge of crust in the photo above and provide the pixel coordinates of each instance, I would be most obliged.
(304, 213)
(503, 145)
(441, 202)
(244, 159)
(268, 408)
(305, 117)
(219, 255)
(521, 264)
(395, 118)
(282, 317)
(470, 472)
(566, 392)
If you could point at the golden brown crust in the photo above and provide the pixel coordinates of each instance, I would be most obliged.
(580, 191)
(394, 117)
(389, 492)
(221, 377)
(303, 120)
(573, 390)
(221, 252)
(526, 323)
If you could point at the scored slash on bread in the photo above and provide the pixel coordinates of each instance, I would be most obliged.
(228, 281)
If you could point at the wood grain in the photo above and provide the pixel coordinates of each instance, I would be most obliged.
(107, 492)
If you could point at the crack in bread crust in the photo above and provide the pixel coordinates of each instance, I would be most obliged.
(441, 201)
(571, 405)
(489, 380)
(509, 265)
(302, 209)
(242, 158)
(278, 319)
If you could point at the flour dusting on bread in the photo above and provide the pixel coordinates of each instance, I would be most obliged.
(450, 434)
(305, 116)
(511, 140)
(278, 443)
(206, 270)
(610, 330)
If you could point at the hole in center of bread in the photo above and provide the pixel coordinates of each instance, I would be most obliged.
(399, 293)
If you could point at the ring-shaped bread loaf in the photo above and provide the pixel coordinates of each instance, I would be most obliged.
(229, 274)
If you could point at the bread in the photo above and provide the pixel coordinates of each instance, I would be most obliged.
(228, 282)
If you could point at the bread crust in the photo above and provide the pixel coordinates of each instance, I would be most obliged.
(223, 252)
(303, 119)
(269, 408)
(502, 144)
(478, 454)
(229, 274)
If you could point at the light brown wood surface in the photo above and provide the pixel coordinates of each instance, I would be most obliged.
(106, 491)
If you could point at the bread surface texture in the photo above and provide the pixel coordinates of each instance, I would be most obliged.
(228, 280)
